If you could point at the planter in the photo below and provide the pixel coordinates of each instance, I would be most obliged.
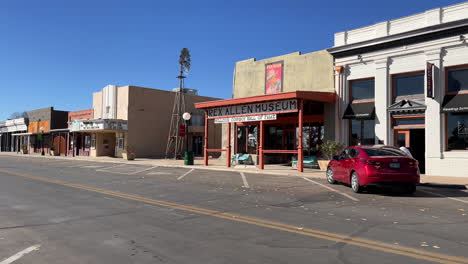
(128, 156)
(323, 164)
(24, 151)
(53, 153)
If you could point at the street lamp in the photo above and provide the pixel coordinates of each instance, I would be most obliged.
(188, 159)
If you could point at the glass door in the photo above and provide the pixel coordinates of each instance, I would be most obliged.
(402, 138)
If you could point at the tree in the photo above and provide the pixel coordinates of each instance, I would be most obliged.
(18, 115)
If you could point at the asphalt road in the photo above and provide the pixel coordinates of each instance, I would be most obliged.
(65, 211)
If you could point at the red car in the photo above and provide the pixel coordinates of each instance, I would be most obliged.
(362, 166)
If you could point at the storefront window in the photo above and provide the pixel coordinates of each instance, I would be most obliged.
(93, 141)
(247, 139)
(457, 131)
(362, 89)
(411, 84)
(457, 80)
(87, 141)
(362, 132)
(121, 141)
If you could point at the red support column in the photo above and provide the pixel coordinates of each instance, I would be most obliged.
(228, 146)
(300, 153)
(67, 151)
(205, 150)
(260, 147)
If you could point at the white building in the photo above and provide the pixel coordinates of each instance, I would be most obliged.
(383, 79)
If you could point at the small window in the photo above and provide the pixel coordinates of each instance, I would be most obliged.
(457, 80)
(457, 131)
(107, 109)
(412, 84)
(362, 132)
(93, 141)
(362, 90)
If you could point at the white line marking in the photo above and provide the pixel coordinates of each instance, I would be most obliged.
(331, 189)
(185, 174)
(91, 166)
(111, 167)
(20, 254)
(441, 195)
(147, 169)
(244, 179)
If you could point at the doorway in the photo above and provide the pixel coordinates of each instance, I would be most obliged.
(414, 140)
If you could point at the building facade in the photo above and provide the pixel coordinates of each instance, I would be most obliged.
(11, 132)
(404, 82)
(137, 118)
(78, 142)
(282, 108)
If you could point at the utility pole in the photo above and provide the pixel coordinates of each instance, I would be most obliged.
(174, 142)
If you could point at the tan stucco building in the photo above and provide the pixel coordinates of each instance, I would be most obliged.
(139, 117)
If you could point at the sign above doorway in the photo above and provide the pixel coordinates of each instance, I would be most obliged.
(245, 119)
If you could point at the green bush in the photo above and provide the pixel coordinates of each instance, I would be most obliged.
(330, 148)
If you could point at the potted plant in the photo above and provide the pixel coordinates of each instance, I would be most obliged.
(24, 149)
(128, 153)
(328, 149)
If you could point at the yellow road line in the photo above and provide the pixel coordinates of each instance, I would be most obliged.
(360, 242)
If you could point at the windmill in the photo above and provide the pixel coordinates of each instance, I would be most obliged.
(177, 130)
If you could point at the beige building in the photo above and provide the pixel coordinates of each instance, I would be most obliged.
(139, 117)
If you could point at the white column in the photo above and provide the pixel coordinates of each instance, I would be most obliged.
(382, 95)
(434, 124)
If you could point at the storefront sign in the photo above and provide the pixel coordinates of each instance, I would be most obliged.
(252, 109)
(104, 124)
(15, 125)
(245, 119)
(430, 80)
(274, 78)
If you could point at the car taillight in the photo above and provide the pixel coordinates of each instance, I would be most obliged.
(413, 164)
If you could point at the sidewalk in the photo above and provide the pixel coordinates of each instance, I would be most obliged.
(220, 165)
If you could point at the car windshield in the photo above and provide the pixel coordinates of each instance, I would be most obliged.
(373, 152)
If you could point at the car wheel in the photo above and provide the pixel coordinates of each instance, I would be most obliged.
(355, 183)
(330, 177)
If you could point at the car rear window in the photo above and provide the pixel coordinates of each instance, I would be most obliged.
(372, 152)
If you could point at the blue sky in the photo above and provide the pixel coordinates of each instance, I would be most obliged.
(57, 53)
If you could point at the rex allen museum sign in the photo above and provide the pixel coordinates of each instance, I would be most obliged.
(235, 112)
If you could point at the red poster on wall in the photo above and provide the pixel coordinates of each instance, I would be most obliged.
(274, 78)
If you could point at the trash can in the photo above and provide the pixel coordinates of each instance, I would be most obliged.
(188, 158)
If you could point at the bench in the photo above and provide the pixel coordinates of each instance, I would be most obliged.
(308, 160)
(245, 159)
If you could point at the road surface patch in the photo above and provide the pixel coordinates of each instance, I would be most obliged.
(345, 239)
(20, 254)
(244, 180)
(333, 190)
(185, 174)
(444, 196)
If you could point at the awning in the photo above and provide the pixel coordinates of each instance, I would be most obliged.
(360, 111)
(455, 103)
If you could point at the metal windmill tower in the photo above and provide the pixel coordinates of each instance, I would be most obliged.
(175, 139)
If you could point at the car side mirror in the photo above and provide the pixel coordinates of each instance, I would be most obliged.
(336, 157)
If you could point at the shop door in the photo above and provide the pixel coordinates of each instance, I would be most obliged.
(197, 145)
(414, 140)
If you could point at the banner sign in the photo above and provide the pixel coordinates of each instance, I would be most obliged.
(245, 119)
(255, 108)
(430, 80)
(104, 124)
(274, 78)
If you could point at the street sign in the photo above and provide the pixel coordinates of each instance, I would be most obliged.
(430, 80)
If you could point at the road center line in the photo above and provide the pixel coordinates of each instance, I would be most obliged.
(147, 169)
(20, 254)
(244, 179)
(350, 240)
(441, 195)
(331, 189)
(185, 174)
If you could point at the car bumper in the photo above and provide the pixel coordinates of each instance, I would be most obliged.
(391, 180)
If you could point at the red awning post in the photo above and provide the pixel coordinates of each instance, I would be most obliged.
(228, 145)
(205, 150)
(260, 147)
(300, 153)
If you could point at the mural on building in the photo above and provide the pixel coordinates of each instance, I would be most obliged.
(274, 78)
